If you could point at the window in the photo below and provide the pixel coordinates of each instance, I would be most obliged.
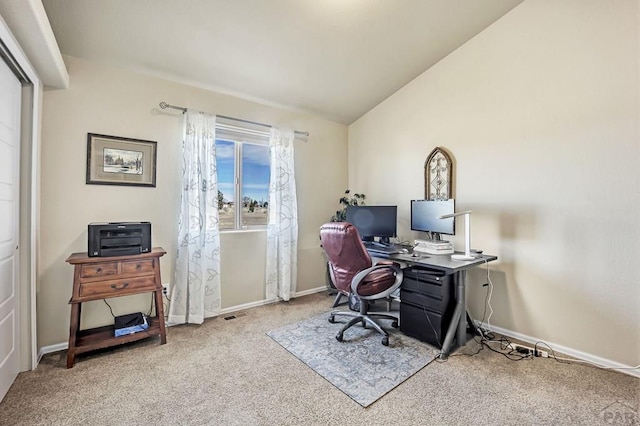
(243, 183)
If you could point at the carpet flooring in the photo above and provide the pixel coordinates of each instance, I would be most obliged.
(232, 373)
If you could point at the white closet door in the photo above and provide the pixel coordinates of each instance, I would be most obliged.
(10, 95)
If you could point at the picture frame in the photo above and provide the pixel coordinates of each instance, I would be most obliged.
(115, 160)
(438, 175)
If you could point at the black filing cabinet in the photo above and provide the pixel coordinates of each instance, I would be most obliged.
(427, 303)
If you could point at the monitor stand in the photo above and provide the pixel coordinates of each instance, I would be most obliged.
(436, 238)
(384, 241)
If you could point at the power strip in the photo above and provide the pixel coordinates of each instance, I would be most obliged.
(525, 350)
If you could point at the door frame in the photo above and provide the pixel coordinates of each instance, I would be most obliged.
(31, 119)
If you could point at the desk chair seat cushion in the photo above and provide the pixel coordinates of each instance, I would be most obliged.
(376, 282)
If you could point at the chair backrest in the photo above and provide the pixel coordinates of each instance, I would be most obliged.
(346, 254)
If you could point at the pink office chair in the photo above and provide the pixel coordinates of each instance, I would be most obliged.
(351, 271)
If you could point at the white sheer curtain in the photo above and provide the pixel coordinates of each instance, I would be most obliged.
(195, 293)
(282, 229)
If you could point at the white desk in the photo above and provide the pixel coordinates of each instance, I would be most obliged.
(443, 262)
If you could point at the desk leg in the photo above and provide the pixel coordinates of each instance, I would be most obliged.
(451, 331)
(74, 323)
(462, 302)
(458, 325)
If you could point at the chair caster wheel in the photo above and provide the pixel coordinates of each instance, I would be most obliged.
(332, 319)
(339, 337)
(394, 324)
(385, 341)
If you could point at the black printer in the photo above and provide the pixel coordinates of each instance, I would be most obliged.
(119, 238)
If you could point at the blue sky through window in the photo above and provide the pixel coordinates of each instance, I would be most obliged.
(225, 164)
(255, 170)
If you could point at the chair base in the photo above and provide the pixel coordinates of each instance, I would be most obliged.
(338, 299)
(365, 319)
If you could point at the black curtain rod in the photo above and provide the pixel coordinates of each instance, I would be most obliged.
(165, 105)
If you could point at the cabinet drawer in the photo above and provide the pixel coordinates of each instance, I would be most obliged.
(431, 283)
(138, 266)
(424, 287)
(422, 324)
(99, 270)
(113, 288)
(434, 304)
(427, 275)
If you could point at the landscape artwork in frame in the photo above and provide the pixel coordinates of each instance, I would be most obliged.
(115, 160)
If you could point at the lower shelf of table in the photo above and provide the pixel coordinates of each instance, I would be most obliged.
(104, 337)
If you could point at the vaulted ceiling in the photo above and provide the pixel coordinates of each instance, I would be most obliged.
(334, 58)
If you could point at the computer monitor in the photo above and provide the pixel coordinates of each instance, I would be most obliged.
(425, 213)
(374, 221)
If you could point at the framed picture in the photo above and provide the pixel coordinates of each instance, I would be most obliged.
(113, 160)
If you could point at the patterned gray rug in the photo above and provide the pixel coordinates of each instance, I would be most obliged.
(360, 366)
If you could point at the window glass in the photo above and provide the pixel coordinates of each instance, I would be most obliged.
(226, 166)
(243, 184)
(255, 185)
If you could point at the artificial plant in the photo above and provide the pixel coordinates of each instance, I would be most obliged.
(348, 200)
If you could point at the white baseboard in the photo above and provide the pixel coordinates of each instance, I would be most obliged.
(311, 291)
(64, 346)
(267, 302)
(51, 349)
(603, 362)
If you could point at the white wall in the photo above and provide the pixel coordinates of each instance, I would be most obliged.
(541, 113)
(111, 101)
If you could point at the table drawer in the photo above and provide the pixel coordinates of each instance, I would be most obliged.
(113, 288)
(99, 270)
(137, 266)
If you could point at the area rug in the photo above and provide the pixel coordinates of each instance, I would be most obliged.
(360, 366)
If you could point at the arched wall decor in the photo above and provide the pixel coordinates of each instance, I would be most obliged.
(438, 175)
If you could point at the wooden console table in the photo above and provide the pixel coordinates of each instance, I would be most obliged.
(98, 278)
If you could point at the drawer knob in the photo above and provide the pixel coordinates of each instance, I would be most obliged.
(99, 270)
(115, 287)
(138, 266)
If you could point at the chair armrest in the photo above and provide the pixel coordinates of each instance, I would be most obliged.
(362, 274)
